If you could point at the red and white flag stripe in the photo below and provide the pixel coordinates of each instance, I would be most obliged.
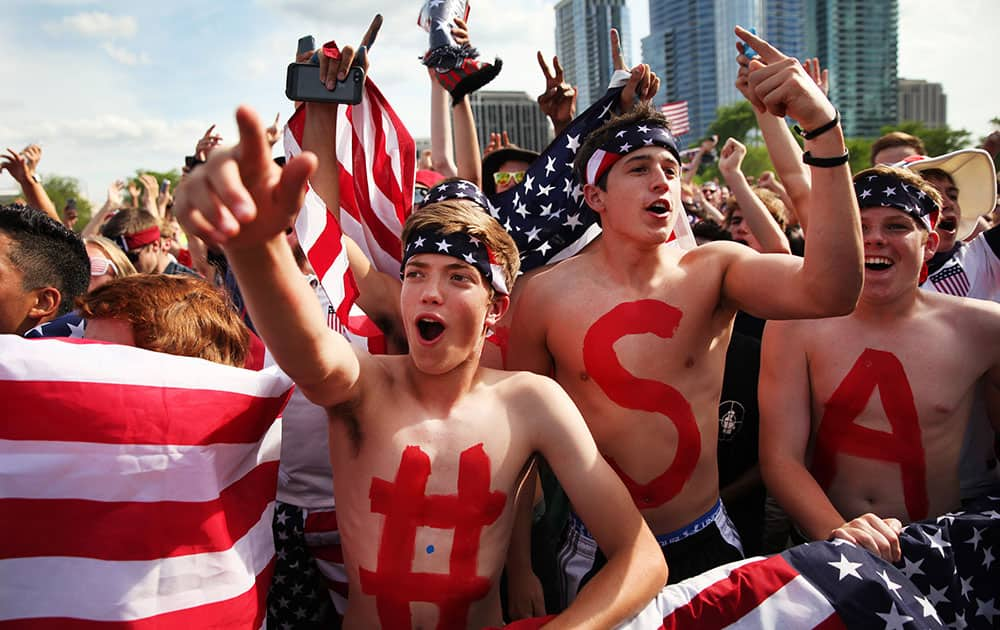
(677, 116)
(136, 488)
(751, 593)
(377, 160)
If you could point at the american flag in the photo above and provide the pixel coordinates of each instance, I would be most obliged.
(377, 159)
(951, 280)
(136, 488)
(948, 577)
(546, 214)
(677, 114)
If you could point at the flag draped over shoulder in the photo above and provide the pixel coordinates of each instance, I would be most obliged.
(136, 488)
(546, 214)
(377, 163)
(948, 577)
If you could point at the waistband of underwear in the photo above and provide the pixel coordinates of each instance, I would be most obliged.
(715, 514)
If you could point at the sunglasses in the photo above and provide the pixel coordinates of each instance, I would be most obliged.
(100, 266)
(502, 178)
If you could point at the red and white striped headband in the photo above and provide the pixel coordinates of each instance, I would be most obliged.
(629, 139)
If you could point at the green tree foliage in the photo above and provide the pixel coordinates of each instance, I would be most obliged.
(60, 189)
(937, 141)
(173, 175)
(733, 121)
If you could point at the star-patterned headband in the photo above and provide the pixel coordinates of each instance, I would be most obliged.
(460, 189)
(877, 190)
(625, 141)
(460, 245)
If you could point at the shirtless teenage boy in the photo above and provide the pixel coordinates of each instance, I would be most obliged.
(841, 460)
(636, 331)
(426, 447)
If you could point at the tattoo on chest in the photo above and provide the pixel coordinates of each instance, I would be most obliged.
(406, 507)
(903, 445)
(631, 392)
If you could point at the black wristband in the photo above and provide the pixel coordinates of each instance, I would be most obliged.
(829, 162)
(809, 135)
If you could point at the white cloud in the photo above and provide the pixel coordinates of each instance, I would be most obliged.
(122, 55)
(95, 24)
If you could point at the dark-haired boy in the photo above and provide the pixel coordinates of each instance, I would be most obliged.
(847, 464)
(636, 331)
(427, 447)
(43, 267)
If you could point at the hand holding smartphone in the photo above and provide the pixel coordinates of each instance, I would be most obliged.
(302, 82)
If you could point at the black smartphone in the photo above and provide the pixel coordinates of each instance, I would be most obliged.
(302, 84)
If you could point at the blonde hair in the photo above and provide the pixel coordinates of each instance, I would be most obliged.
(123, 265)
(458, 215)
(179, 315)
(771, 201)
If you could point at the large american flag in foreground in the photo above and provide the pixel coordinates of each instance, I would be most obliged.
(949, 577)
(136, 488)
(377, 160)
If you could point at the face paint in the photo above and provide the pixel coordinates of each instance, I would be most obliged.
(406, 507)
(903, 445)
(625, 390)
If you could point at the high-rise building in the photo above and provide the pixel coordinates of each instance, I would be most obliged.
(691, 46)
(680, 48)
(583, 45)
(922, 101)
(858, 41)
(514, 112)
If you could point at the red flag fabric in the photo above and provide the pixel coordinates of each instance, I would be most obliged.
(136, 488)
(677, 116)
(377, 159)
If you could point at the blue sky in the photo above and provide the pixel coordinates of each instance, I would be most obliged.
(107, 87)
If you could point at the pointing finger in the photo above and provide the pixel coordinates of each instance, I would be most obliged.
(616, 51)
(767, 52)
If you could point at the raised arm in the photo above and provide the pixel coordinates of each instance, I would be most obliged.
(762, 225)
(21, 167)
(243, 201)
(558, 101)
(111, 203)
(784, 151)
(706, 145)
(635, 571)
(828, 280)
(468, 160)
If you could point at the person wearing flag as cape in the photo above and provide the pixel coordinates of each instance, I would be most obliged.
(417, 553)
(636, 330)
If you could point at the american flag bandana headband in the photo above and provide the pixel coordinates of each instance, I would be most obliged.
(457, 189)
(877, 190)
(625, 141)
(460, 245)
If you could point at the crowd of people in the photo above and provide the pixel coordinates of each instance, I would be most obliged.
(690, 383)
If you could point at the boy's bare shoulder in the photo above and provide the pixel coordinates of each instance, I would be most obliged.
(974, 316)
(715, 253)
(523, 389)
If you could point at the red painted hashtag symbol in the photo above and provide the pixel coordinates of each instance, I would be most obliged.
(406, 507)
